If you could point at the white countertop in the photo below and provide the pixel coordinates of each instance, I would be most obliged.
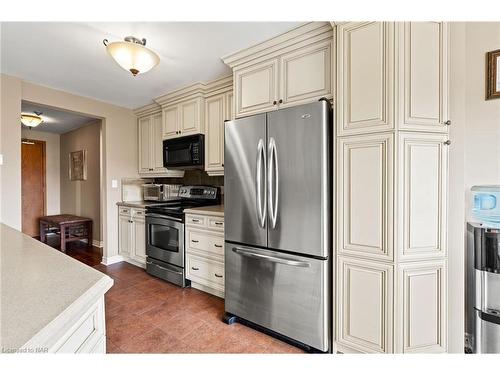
(38, 283)
(207, 210)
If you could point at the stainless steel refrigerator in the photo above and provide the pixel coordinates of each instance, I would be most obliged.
(277, 183)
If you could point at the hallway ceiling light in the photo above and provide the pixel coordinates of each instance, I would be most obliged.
(132, 55)
(31, 121)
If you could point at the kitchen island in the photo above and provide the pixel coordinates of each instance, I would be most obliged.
(49, 301)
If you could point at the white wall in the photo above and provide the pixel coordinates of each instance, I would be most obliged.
(52, 167)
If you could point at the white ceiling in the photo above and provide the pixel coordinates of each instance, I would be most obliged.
(71, 56)
(55, 120)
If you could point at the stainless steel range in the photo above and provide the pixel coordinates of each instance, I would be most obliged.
(165, 232)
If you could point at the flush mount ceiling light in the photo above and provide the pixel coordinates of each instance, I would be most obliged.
(132, 55)
(31, 121)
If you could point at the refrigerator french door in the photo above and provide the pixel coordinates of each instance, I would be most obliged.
(278, 221)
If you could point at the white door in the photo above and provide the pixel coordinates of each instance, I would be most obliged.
(365, 303)
(139, 246)
(144, 130)
(305, 74)
(256, 88)
(365, 72)
(157, 143)
(214, 120)
(190, 120)
(423, 186)
(171, 122)
(424, 76)
(421, 307)
(124, 235)
(365, 195)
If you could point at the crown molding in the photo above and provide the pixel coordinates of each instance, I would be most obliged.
(147, 110)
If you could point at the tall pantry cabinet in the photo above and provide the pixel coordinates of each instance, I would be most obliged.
(392, 186)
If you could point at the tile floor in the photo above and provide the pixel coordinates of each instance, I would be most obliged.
(147, 315)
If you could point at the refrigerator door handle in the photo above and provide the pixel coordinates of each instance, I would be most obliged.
(289, 262)
(261, 163)
(273, 174)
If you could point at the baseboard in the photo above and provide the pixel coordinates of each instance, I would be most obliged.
(112, 260)
(97, 243)
(207, 289)
(134, 262)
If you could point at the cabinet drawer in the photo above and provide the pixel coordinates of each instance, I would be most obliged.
(125, 211)
(206, 242)
(216, 223)
(205, 272)
(196, 220)
(138, 212)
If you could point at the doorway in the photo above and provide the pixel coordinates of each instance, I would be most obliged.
(33, 181)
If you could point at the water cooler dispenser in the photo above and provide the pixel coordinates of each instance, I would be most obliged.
(482, 326)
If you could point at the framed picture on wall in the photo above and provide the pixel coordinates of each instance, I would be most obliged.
(493, 74)
(78, 165)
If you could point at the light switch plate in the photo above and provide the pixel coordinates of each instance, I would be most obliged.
(114, 183)
(1, 159)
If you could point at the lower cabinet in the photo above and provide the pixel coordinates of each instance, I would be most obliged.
(383, 308)
(205, 253)
(132, 235)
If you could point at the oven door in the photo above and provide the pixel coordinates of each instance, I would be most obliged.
(165, 239)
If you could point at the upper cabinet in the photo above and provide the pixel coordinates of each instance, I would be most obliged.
(291, 69)
(150, 145)
(365, 71)
(184, 118)
(424, 76)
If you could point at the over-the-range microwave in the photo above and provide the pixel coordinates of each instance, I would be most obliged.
(184, 152)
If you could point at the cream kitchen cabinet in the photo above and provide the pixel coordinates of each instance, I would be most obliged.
(365, 77)
(423, 80)
(204, 239)
(291, 69)
(184, 118)
(218, 109)
(131, 235)
(150, 148)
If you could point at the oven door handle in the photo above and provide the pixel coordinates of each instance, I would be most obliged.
(158, 216)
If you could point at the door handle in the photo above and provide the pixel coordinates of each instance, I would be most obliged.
(261, 161)
(219, 246)
(273, 179)
(195, 268)
(217, 275)
(195, 241)
(289, 262)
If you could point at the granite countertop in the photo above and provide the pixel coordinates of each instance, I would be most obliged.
(207, 210)
(38, 283)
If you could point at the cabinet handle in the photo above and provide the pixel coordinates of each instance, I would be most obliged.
(218, 223)
(275, 102)
(195, 241)
(217, 275)
(195, 269)
(217, 245)
(195, 220)
(447, 143)
(281, 101)
(448, 122)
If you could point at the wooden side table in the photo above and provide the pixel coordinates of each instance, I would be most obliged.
(69, 227)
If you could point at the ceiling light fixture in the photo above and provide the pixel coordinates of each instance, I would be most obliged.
(132, 55)
(31, 121)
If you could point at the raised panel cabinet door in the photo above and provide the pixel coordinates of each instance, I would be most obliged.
(139, 237)
(305, 74)
(364, 305)
(144, 129)
(256, 88)
(423, 195)
(170, 122)
(124, 235)
(421, 308)
(157, 143)
(365, 195)
(424, 76)
(191, 121)
(214, 120)
(365, 76)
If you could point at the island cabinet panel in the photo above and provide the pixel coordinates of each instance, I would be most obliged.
(421, 314)
(365, 293)
(365, 196)
(256, 88)
(365, 77)
(423, 76)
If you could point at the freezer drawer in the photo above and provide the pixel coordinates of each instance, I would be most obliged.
(284, 293)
